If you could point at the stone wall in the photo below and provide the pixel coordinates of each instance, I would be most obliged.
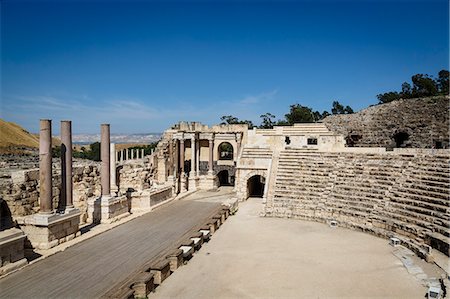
(136, 174)
(403, 193)
(20, 189)
(425, 121)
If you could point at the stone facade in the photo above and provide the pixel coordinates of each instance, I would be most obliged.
(425, 121)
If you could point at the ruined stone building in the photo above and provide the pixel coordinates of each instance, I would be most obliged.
(384, 170)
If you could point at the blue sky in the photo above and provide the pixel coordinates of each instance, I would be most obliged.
(143, 66)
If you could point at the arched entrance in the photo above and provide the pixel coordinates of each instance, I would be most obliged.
(225, 151)
(224, 178)
(255, 186)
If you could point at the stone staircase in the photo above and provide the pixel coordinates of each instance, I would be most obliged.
(256, 153)
(385, 194)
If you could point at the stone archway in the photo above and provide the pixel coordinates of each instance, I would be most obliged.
(244, 176)
(255, 186)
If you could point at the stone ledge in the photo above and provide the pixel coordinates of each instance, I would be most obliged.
(11, 235)
(48, 219)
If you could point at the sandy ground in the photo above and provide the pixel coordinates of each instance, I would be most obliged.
(254, 257)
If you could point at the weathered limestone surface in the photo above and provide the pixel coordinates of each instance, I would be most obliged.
(54, 230)
(136, 174)
(20, 189)
(424, 120)
(12, 254)
(403, 193)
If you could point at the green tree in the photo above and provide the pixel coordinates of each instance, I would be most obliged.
(443, 82)
(406, 91)
(228, 120)
(267, 121)
(94, 153)
(231, 120)
(388, 97)
(423, 86)
(325, 114)
(337, 108)
(299, 114)
(348, 110)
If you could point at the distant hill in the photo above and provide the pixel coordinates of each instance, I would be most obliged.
(13, 135)
(16, 140)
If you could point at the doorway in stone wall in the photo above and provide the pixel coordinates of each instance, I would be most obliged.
(224, 178)
(255, 186)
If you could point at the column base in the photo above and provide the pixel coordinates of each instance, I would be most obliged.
(208, 182)
(45, 231)
(12, 250)
(193, 183)
(113, 208)
(183, 183)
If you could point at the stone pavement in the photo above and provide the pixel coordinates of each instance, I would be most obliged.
(254, 257)
(89, 269)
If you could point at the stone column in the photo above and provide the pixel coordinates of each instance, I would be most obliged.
(113, 167)
(211, 156)
(106, 167)
(142, 153)
(197, 157)
(45, 167)
(170, 158)
(192, 173)
(126, 154)
(182, 155)
(238, 142)
(66, 163)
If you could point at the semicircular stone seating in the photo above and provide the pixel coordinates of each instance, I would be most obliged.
(388, 194)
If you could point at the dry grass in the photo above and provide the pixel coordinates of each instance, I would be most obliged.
(13, 135)
(16, 140)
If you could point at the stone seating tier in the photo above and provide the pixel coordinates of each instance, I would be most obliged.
(385, 194)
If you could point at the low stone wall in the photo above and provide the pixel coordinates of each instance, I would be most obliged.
(403, 193)
(20, 189)
(148, 199)
(12, 254)
(47, 233)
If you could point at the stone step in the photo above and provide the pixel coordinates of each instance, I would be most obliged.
(431, 204)
(418, 212)
(428, 185)
(421, 198)
(418, 191)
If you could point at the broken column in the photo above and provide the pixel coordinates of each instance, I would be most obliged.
(112, 207)
(114, 187)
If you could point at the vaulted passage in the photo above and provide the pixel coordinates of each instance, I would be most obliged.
(255, 186)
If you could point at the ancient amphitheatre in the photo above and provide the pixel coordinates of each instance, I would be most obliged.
(303, 213)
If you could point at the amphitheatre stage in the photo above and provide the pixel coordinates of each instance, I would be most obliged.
(327, 190)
